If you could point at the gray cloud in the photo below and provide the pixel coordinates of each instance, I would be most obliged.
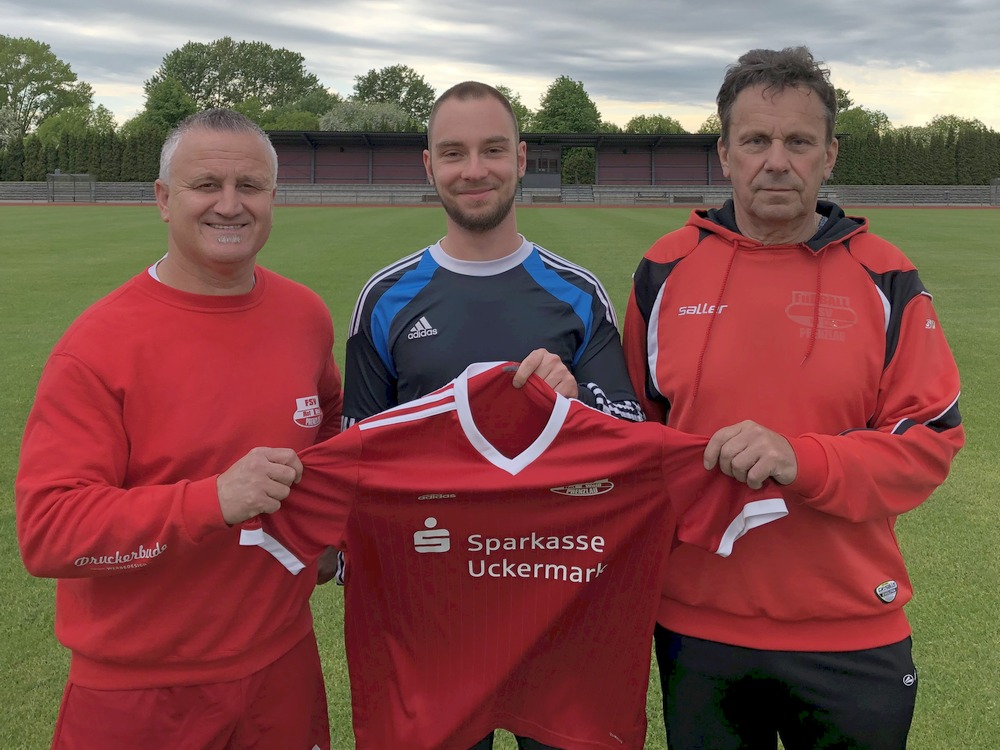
(631, 50)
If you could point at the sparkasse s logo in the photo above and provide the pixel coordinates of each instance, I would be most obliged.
(432, 539)
(585, 489)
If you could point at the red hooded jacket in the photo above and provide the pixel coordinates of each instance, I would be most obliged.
(835, 344)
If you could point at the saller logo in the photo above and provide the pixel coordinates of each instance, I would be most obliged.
(597, 487)
(886, 591)
(700, 309)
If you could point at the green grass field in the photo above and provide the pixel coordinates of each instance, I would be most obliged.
(54, 261)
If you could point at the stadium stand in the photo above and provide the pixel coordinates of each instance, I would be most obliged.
(579, 195)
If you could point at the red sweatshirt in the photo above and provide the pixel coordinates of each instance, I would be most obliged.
(835, 344)
(145, 400)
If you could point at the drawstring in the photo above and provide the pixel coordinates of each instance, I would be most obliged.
(814, 332)
(711, 320)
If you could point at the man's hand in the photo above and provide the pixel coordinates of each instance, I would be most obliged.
(257, 483)
(550, 368)
(326, 567)
(751, 453)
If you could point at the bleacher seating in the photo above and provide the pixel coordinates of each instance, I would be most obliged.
(386, 195)
(662, 195)
(24, 192)
(618, 195)
(124, 192)
(541, 195)
(910, 195)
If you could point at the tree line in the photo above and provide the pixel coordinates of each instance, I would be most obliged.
(48, 120)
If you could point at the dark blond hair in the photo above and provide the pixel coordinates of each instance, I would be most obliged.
(792, 67)
(472, 90)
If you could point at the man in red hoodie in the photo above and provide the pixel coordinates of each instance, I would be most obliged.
(810, 350)
(143, 454)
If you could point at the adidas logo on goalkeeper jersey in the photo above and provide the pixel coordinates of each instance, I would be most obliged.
(421, 329)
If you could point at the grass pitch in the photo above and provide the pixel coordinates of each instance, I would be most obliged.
(55, 260)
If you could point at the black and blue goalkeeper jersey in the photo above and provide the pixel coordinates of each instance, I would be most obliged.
(421, 321)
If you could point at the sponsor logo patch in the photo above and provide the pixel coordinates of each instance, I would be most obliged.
(598, 487)
(702, 308)
(432, 539)
(118, 560)
(886, 591)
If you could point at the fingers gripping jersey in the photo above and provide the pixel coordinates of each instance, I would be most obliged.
(509, 547)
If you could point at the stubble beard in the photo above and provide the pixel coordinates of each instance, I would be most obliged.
(480, 223)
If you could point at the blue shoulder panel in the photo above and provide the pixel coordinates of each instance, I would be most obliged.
(395, 299)
(564, 291)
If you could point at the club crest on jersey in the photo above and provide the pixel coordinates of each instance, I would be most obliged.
(308, 412)
(584, 489)
(886, 591)
(834, 311)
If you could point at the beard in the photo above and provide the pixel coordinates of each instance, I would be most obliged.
(480, 223)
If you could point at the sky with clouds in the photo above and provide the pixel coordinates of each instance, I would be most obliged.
(911, 59)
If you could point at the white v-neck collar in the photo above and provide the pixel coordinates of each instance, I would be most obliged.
(476, 438)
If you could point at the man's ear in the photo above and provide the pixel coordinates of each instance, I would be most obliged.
(162, 192)
(427, 166)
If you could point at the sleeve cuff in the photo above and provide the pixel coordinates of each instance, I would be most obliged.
(586, 395)
(813, 467)
(202, 513)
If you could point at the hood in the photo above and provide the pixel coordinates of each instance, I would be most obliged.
(722, 221)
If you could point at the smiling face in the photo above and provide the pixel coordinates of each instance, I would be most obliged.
(474, 162)
(777, 154)
(218, 205)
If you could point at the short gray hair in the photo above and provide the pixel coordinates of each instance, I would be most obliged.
(219, 119)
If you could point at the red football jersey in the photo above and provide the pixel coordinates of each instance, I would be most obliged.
(507, 548)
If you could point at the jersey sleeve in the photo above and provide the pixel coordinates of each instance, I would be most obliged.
(904, 453)
(713, 510)
(72, 494)
(646, 283)
(314, 515)
(331, 395)
(600, 370)
(370, 381)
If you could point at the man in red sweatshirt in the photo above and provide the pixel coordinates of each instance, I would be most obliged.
(170, 412)
(810, 350)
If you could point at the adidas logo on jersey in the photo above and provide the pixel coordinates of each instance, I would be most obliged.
(421, 329)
